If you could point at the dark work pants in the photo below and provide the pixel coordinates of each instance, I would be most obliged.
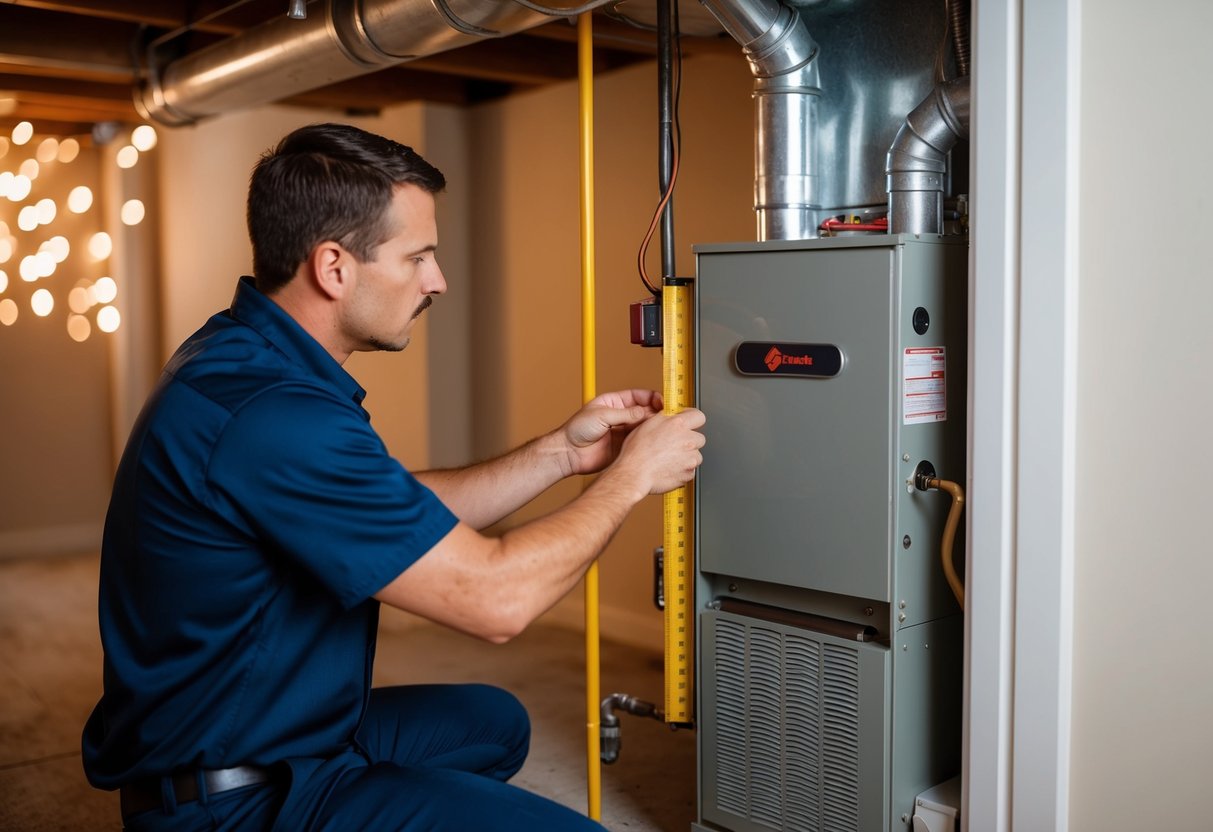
(433, 757)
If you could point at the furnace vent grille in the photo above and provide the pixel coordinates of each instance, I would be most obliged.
(786, 728)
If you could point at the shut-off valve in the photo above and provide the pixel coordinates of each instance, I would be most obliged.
(612, 741)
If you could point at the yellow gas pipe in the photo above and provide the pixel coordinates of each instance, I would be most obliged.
(585, 86)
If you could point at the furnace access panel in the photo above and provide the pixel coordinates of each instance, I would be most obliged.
(822, 365)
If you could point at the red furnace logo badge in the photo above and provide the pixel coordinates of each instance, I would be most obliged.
(775, 359)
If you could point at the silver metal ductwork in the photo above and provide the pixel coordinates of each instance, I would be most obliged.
(917, 163)
(782, 58)
(345, 39)
(349, 38)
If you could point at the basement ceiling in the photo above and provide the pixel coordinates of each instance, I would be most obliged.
(66, 66)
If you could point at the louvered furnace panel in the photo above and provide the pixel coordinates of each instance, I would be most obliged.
(787, 748)
(828, 655)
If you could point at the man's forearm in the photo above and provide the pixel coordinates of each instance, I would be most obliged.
(483, 493)
(493, 587)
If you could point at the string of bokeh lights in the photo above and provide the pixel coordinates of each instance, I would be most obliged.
(34, 257)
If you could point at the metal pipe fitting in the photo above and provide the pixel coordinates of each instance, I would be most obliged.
(609, 731)
(917, 161)
(782, 57)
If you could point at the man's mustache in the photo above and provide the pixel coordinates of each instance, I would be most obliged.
(424, 305)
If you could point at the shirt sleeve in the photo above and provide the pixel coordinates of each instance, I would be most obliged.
(315, 484)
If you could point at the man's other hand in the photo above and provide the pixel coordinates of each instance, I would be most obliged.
(595, 433)
(663, 452)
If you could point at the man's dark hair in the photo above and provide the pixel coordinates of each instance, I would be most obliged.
(327, 182)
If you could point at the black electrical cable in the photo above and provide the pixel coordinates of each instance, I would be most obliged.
(674, 162)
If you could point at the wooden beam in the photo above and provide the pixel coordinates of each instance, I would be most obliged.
(34, 86)
(614, 34)
(514, 60)
(56, 42)
(54, 110)
(395, 85)
(45, 127)
(171, 14)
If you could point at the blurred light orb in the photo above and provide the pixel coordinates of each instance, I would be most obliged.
(6, 182)
(132, 212)
(3, 147)
(69, 149)
(20, 188)
(22, 133)
(29, 168)
(3, 280)
(8, 311)
(100, 245)
(78, 300)
(127, 157)
(58, 246)
(105, 290)
(28, 269)
(6, 249)
(45, 263)
(108, 319)
(80, 199)
(47, 209)
(42, 302)
(48, 151)
(27, 219)
(144, 137)
(78, 328)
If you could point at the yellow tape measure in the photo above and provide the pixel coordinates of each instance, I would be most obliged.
(679, 569)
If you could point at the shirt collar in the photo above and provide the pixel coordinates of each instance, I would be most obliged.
(253, 309)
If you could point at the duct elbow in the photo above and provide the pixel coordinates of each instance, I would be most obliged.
(917, 159)
(772, 34)
(151, 106)
(783, 60)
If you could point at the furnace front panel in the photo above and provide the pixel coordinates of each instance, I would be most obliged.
(829, 645)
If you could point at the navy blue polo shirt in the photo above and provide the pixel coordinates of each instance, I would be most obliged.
(254, 514)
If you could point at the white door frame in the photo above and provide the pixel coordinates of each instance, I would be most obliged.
(1022, 390)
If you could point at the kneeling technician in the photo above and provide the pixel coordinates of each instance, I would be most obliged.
(257, 522)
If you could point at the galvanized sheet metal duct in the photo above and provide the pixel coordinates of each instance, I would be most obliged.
(348, 38)
(782, 58)
(917, 163)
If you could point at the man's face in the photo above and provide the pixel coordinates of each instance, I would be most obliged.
(394, 288)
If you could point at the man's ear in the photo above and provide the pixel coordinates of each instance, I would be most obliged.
(330, 267)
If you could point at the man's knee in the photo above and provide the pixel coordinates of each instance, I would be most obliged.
(509, 720)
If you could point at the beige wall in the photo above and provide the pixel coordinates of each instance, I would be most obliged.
(205, 248)
(55, 452)
(527, 268)
(1143, 660)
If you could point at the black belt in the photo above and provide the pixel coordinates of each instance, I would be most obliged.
(147, 794)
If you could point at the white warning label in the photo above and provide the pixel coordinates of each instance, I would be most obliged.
(924, 382)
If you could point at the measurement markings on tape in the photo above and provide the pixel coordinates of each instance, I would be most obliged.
(676, 538)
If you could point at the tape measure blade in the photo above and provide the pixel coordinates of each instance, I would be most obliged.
(677, 507)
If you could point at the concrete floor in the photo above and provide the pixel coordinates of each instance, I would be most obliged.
(50, 678)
